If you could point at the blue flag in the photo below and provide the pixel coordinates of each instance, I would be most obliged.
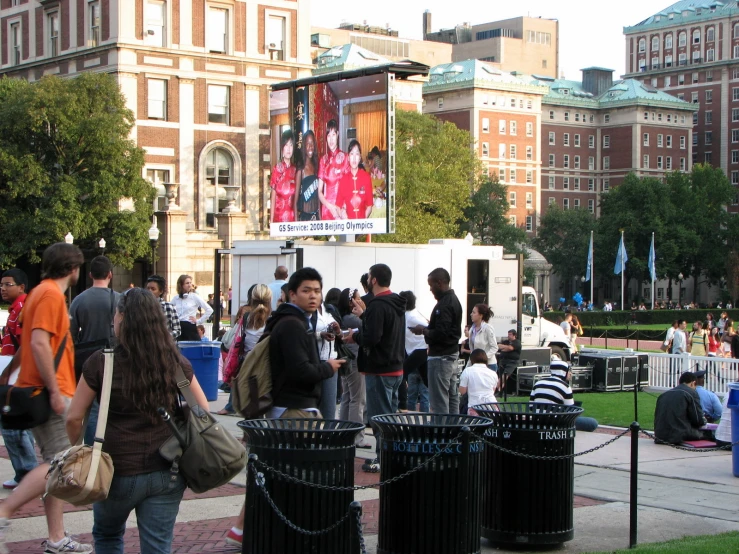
(589, 270)
(621, 257)
(652, 268)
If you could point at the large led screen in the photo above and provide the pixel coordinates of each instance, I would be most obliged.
(329, 158)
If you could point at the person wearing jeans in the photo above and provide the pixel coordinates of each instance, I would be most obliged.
(382, 342)
(22, 453)
(442, 336)
(418, 393)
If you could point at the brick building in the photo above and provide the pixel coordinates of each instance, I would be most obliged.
(196, 74)
(691, 50)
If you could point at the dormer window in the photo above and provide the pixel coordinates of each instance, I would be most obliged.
(565, 91)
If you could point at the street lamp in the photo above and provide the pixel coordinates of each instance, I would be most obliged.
(680, 277)
(101, 244)
(69, 238)
(153, 239)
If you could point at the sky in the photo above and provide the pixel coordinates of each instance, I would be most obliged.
(591, 33)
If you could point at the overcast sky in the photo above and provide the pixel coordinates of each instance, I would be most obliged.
(591, 33)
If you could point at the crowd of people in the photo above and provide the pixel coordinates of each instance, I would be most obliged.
(712, 338)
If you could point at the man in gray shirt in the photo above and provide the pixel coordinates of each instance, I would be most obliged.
(91, 323)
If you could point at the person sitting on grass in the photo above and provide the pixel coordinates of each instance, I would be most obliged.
(678, 413)
(478, 381)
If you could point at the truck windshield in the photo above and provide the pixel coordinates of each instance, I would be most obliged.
(529, 305)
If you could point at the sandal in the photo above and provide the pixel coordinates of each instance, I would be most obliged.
(225, 412)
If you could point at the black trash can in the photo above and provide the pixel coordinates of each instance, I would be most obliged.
(435, 509)
(529, 501)
(314, 450)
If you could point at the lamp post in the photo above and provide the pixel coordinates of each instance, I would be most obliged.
(101, 244)
(69, 239)
(153, 239)
(680, 278)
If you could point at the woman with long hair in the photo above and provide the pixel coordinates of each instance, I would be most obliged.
(282, 182)
(187, 303)
(727, 337)
(575, 331)
(307, 203)
(482, 335)
(158, 287)
(355, 198)
(144, 379)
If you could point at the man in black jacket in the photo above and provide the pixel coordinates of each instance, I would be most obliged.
(382, 339)
(678, 413)
(297, 370)
(442, 335)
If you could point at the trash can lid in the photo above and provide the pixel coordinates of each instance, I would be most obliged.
(196, 343)
(533, 414)
(301, 433)
(429, 425)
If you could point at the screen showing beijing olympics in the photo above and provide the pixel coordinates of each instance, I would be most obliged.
(329, 145)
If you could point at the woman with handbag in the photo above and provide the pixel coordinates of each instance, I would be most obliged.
(143, 380)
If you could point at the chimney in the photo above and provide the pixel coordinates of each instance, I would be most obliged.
(426, 23)
(597, 80)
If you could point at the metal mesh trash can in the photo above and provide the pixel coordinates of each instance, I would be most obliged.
(314, 450)
(435, 509)
(529, 501)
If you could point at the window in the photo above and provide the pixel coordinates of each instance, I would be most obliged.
(485, 149)
(155, 15)
(710, 34)
(577, 141)
(15, 43)
(551, 160)
(93, 10)
(52, 22)
(576, 204)
(682, 164)
(485, 125)
(577, 117)
(157, 99)
(697, 36)
(529, 179)
(682, 58)
(591, 206)
(606, 185)
(668, 78)
(501, 174)
(551, 114)
(695, 139)
(217, 30)
(513, 102)
(591, 162)
(565, 183)
(735, 136)
(659, 162)
(668, 40)
(709, 96)
(529, 129)
(735, 94)
(668, 163)
(682, 143)
(736, 30)
(695, 118)
(218, 111)
(275, 37)
(529, 105)
(513, 151)
(529, 152)
(681, 79)
(709, 117)
(566, 203)
(607, 118)
(566, 161)
(566, 139)
(551, 182)
(646, 139)
(552, 201)
(513, 128)
(710, 56)
(512, 220)
(440, 102)
(218, 173)
(591, 184)
(655, 63)
(669, 141)
(591, 141)
(512, 199)
(655, 44)
(606, 162)
(707, 158)
(660, 141)
(576, 183)
(642, 45)
(695, 77)
(735, 177)
(709, 137)
(502, 126)
(606, 141)
(736, 51)
(735, 156)
(645, 161)
(577, 162)
(529, 224)
(501, 151)
(157, 178)
(694, 97)
(567, 114)
(551, 137)
(682, 39)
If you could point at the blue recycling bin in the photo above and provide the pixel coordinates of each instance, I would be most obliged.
(733, 405)
(204, 359)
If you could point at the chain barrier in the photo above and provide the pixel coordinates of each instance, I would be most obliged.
(259, 480)
(686, 449)
(558, 457)
(360, 531)
(390, 481)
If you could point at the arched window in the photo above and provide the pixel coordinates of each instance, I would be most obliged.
(736, 30)
(668, 41)
(710, 34)
(642, 45)
(219, 172)
(682, 39)
(697, 36)
(655, 44)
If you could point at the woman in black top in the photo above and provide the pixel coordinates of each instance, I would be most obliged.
(307, 205)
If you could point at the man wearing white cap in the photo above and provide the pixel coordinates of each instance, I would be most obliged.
(554, 389)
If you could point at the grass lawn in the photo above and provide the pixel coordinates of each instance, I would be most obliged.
(613, 408)
(705, 544)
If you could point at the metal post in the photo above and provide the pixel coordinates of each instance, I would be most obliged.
(153, 257)
(634, 484)
(636, 390)
(217, 296)
(356, 518)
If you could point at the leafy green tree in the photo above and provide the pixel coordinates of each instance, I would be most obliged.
(487, 217)
(66, 161)
(434, 169)
(563, 239)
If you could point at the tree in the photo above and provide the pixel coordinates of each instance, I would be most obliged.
(66, 161)
(487, 217)
(434, 167)
(563, 239)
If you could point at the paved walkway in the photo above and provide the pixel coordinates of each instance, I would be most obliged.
(680, 494)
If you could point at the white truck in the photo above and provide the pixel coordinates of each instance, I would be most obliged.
(480, 274)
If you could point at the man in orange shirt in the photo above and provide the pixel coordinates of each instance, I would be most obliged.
(46, 326)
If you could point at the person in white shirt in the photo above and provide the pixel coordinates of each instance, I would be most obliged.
(566, 327)
(679, 339)
(187, 303)
(478, 381)
(416, 354)
(670, 334)
(326, 329)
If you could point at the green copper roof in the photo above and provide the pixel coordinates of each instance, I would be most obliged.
(685, 12)
(347, 57)
(477, 74)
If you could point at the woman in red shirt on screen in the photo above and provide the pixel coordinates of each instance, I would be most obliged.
(355, 188)
(282, 182)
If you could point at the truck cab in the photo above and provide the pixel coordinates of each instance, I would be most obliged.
(538, 331)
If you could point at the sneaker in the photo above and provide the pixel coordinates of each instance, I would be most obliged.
(67, 544)
(10, 484)
(233, 538)
(4, 525)
(371, 466)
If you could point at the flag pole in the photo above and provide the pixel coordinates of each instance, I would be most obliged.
(592, 273)
(652, 272)
(622, 271)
